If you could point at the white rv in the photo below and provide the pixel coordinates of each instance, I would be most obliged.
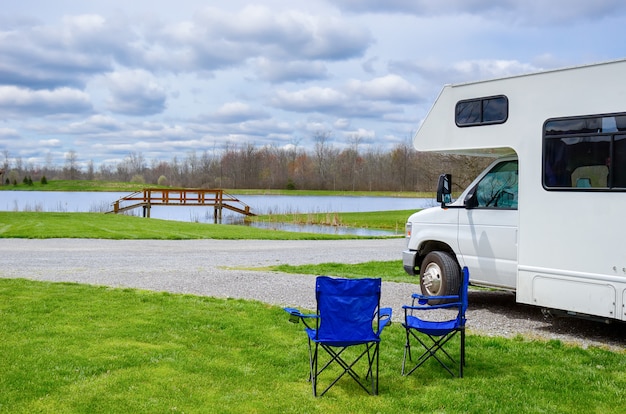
(548, 218)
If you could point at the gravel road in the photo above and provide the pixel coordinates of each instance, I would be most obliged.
(223, 268)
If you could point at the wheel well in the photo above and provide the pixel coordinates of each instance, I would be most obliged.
(430, 246)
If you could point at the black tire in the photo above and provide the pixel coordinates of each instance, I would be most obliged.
(440, 275)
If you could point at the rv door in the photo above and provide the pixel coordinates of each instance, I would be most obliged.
(488, 227)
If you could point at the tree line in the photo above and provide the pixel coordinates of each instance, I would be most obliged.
(246, 166)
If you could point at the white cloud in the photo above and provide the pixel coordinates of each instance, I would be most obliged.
(50, 142)
(341, 123)
(528, 12)
(386, 88)
(93, 124)
(290, 71)
(9, 133)
(309, 99)
(216, 39)
(439, 73)
(237, 112)
(18, 101)
(364, 135)
(136, 93)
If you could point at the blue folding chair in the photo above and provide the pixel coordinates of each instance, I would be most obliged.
(348, 315)
(433, 334)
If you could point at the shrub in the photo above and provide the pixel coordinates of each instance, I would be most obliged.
(138, 178)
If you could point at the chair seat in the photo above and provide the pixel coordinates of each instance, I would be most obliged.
(339, 342)
(430, 327)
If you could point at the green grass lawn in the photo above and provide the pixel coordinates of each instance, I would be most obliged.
(77, 185)
(36, 225)
(85, 349)
(76, 348)
(69, 348)
(391, 269)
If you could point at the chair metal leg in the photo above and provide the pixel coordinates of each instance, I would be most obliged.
(462, 362)
(377, 351)
(314, 371)
(407, 351)
(431, 351)
(348, 368)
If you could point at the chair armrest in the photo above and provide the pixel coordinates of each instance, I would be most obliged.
(385, 313)
(429, 307)
(423, 299)
(295, 315)
(384, 318)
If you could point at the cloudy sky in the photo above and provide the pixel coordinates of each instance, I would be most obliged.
(164, 78)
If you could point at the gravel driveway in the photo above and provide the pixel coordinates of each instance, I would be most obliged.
(220, 268)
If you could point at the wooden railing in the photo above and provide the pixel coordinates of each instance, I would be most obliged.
(148, 197)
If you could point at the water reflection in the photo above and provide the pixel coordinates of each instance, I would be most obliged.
(320, 229)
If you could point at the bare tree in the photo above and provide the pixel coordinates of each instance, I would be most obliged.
(400, 158)
(71, 165)
(322, 157)
(90, 170)
(5, 165)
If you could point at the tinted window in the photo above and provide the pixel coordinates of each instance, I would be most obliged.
(468, 113)
(482, 111)
(585, 153)
(498, 188)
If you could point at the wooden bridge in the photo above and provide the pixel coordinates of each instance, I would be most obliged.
(149, 197)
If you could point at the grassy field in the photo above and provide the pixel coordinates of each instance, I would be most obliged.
(77, 185)
(36, 225)
(392, 270)
(69, 348)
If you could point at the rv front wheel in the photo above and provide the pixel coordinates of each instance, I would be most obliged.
(440, 274)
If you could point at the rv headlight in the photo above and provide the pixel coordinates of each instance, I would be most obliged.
(407, 229)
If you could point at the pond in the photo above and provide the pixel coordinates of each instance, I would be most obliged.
(58, 201)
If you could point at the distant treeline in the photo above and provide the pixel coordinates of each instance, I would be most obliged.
(247, 166)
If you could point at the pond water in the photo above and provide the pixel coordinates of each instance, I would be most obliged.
(58, 201)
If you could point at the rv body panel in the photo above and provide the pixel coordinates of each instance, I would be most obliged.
(559, 248)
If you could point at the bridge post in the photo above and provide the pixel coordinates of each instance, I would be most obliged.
(217, 213)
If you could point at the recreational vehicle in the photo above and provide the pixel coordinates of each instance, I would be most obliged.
(547, 219)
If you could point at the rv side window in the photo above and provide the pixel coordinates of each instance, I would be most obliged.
(498, 188)
(482, 111)
(585, 153)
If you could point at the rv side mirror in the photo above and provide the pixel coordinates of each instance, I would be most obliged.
(471, 201)
(444, 193)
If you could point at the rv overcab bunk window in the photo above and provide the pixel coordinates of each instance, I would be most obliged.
(585, 153)
(482, 111)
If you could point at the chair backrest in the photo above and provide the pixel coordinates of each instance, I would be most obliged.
(347, 308)
(463, 293)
